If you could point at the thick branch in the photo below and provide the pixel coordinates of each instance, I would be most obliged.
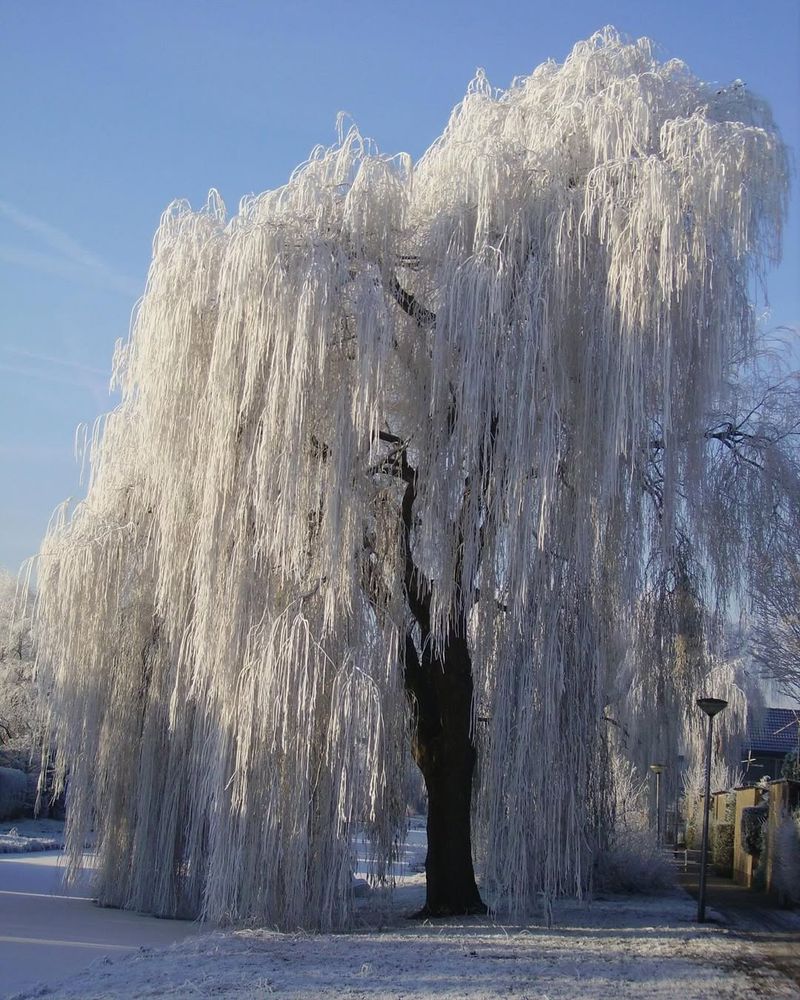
(396, 462)
(407, 302)
(418, 589)
(734, 438)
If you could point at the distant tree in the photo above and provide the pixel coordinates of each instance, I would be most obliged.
(399, 450)
(791, 766)
(731, 538)
(17, 701)
(776, 626)
(775, 589)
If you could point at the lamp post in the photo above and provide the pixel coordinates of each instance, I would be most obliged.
(657, 770)
(712, 707)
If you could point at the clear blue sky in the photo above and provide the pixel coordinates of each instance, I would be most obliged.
(112, 108)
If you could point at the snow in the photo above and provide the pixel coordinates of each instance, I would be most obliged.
(649, 948)
(410, 855)
(49, 931)
(56, 943)
(24, 835)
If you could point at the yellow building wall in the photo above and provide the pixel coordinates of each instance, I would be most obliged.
(743, 865)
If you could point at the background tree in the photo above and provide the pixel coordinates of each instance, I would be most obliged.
(776, 625)
(18, 709)
(379, 468)
(775, 577)
(732, 545)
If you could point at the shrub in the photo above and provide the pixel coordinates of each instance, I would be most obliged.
(13, 793)
(786, 864)
(760, 872)
(754, 819)
(791, 766)
(634, 863)
(722, 848)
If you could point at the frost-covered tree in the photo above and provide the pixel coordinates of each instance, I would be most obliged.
(776, 625)
(734, 540)
(775, 586)
(382, 475)
(17, 700)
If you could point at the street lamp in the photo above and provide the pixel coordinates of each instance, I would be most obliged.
(712, 707)
(657, 770)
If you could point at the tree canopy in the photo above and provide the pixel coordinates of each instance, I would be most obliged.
(387, 413)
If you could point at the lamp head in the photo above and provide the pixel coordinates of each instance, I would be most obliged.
(657, 768)
(711, 706)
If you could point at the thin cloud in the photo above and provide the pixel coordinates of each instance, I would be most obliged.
(35, 260)
(70, 258)
(35, 453)
(58, 362)
(46, 376)
(56, 371)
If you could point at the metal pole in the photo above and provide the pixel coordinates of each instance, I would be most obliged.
(678, 771)
(658, 808)
(657, 769)
(711, 706)
(701, 897)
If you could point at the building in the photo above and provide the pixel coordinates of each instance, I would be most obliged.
(768, 743)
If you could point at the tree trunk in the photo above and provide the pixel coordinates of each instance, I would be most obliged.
(439, 685)
(441, 689)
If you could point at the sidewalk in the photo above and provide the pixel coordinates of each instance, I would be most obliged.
(771, 934)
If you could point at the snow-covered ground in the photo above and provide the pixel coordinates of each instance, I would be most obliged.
(62, 946)
(24, 835)
(410, 858)
(643, 949)
(50, 933)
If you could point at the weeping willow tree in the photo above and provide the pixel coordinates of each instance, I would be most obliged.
(379, 479)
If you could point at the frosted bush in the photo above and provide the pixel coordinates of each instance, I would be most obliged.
(634, 863)
(786, 862)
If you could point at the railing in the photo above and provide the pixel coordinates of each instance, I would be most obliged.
(687, 858)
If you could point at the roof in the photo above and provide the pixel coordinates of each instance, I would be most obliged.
(778, 733)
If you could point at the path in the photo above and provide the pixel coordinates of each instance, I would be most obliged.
(48, 932)
(768, 933)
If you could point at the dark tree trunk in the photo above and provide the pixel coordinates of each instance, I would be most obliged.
(441, 690)
(439, 685)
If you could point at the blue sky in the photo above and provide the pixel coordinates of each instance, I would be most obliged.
(112, 108)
